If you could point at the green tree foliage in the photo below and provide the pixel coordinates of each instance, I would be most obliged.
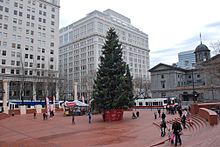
(113, 85)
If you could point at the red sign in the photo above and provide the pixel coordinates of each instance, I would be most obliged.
(70, 104)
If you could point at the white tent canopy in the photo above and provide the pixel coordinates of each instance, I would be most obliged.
(76, 103)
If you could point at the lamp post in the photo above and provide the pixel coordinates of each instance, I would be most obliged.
(193, 86)
(212, 92)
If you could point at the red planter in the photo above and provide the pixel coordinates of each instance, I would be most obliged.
(113, 115)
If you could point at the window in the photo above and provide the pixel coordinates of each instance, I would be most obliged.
(38, 57)
(51, 51)
(18, 46)
(26, 64)
(6, 9)
(18, 63)
(3, 53)
(3, 61)
(38, 65)
(12, 62)
(31, 56)
(30, 64)
(163, 84)
(13, 45)
(53, 9)
(140, 104)
(51, 59)
(17, 72)
(3, 70)
(12, 71)
(162, 76)
(26, 55)
(15, 12)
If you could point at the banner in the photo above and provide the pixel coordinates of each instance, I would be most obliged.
(48, 106)
(83, 99)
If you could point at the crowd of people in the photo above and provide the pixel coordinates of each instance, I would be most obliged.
(175, 131)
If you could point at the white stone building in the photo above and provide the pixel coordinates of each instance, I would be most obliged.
(81, 43)
(29, 37)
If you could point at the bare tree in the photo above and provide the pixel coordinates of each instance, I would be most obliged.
(216, 47)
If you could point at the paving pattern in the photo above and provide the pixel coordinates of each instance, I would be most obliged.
(25, 131)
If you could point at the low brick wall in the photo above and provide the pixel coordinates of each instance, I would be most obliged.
(209, 115)
(30, 111)
(16, 112)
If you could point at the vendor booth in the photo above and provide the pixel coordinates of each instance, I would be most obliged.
(75, 107)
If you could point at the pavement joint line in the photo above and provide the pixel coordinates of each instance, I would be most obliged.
(19, 132)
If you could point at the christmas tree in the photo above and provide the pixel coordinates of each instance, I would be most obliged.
(113, 85)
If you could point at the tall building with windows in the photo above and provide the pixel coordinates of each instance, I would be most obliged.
(29, 37)
(81, 44)
(186, 59)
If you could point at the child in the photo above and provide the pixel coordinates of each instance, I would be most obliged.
(172, 136)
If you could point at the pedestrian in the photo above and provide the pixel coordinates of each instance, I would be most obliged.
(73, 119)
(35, 114)
(183, 120)
(163, 116)
(177, 130)
(163, 128)
(155, 115)
(159, 113)
(44, 116)
(137, 113)
(133, 115)
(90, 117)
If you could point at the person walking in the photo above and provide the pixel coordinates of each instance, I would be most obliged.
(163, 128)
(159, 112)
(137, 113)
(163, 116)
(183, 120)
(155, 115)
(35, 114)
(176, 127)
(73, 119)
(90, 117)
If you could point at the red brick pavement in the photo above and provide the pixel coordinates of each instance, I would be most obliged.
(24, 131)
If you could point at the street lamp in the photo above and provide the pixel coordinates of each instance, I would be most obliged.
(193, 86)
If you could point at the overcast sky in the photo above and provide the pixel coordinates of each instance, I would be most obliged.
(173, 26)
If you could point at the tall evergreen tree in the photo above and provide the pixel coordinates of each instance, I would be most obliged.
(110, 89)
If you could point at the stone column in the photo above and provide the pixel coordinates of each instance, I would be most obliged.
(75, 91)
(5, 95)
(34, 91)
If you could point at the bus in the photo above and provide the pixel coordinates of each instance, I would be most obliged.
(156, 102)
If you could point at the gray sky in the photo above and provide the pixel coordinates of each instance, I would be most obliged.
(172, 25)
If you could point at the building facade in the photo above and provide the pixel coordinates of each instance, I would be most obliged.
(81, 44)
(200, 83)
(186, 59)
(29, 37)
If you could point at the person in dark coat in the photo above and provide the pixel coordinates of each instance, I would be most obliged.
(183, 120)
(163, 128)
(163, 116)
(90, 117)
(137, 113)
(159, 112)
(73, 119)
(176, 127)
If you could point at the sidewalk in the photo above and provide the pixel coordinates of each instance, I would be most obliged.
(59, 132)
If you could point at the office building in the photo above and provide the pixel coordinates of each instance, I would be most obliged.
(81, 44)
(186, 59)
(29, 37)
